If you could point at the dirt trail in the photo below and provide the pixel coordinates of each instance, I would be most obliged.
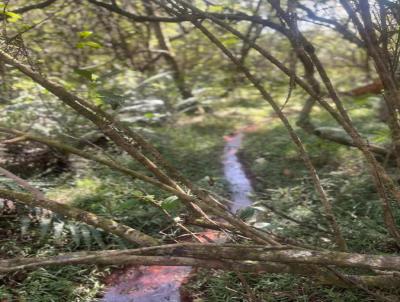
(163, 283)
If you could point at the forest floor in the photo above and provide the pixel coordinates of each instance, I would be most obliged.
(284, 201)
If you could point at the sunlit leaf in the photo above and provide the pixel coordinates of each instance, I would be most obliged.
(85, 34)
(170, 203)
(149, 115)
(230, 41)
(91, 44)
(216, 9)
(12, 17)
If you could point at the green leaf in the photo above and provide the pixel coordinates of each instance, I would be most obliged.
(12, 17)
(149, 115)
(170, 203)
(85, 34)
(75, 234)
(216, 9)
(230, 41)
(91, 44)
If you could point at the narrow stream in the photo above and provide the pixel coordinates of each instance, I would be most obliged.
(239, 184)
(163, 283)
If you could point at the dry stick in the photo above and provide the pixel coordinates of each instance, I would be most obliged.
(303, 153)
(118, 135)
(360, 285)
(262, 253)
(169, 57)
(243, 266)
(23, 183)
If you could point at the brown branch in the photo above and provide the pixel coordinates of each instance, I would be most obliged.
(246, 258)
(177, 72)
(182, 18)
(106, 224)
(340, 28)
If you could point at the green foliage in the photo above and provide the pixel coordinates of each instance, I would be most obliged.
(11, 16)
(85, 34)
(66, 284)
(90, 44)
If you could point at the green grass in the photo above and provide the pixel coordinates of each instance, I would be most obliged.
(69, 283)
(227, 287)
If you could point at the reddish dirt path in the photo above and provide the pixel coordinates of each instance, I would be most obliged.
(163, 283)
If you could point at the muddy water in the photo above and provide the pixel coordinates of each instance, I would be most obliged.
(163, 283)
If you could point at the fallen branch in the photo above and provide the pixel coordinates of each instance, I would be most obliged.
(108, 225)
(246, 258)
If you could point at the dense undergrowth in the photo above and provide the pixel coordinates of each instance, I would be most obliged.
(285, 202)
